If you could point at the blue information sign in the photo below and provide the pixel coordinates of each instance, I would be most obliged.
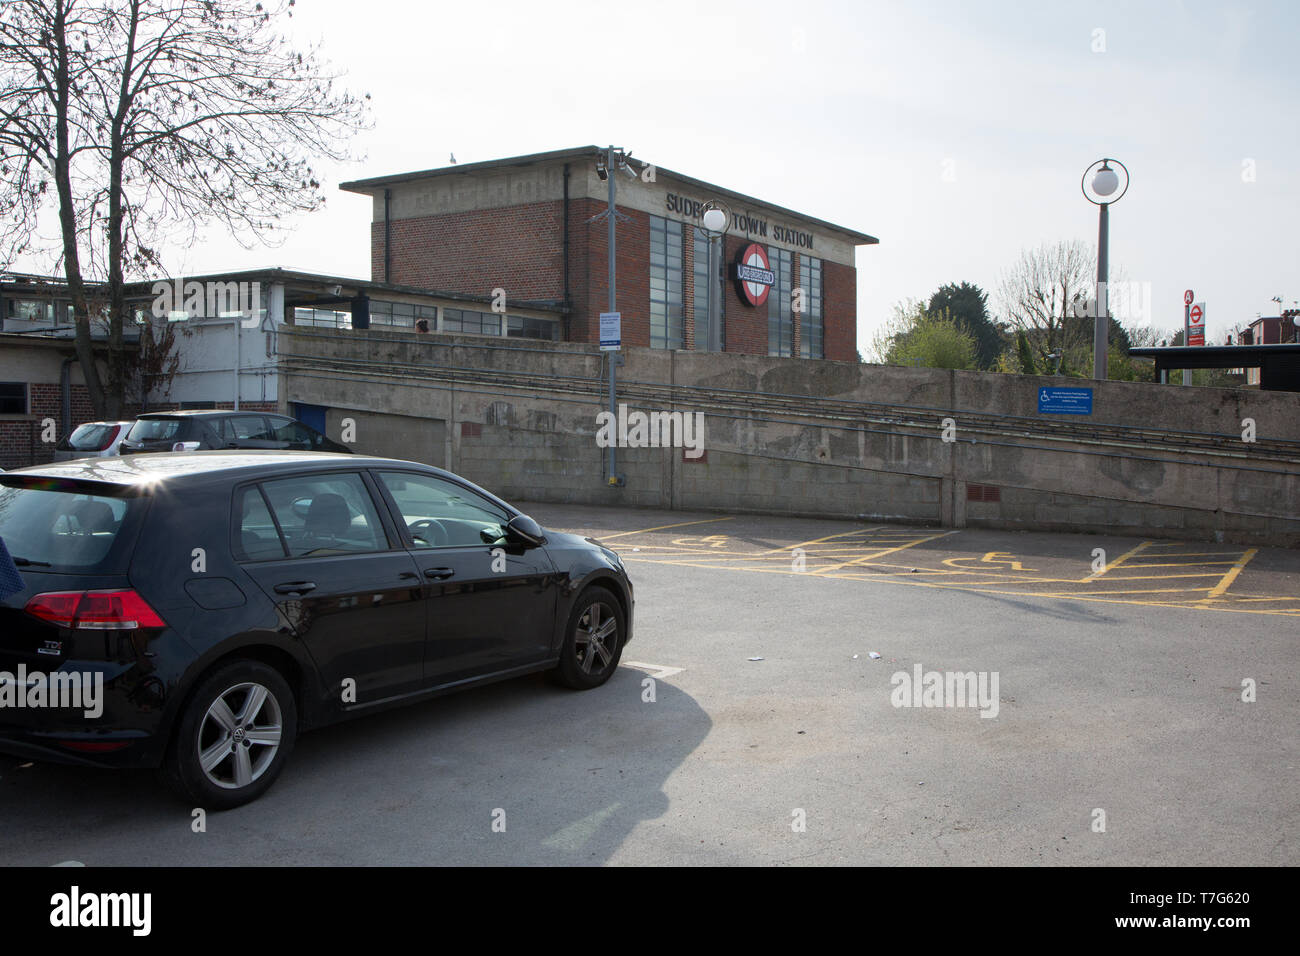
(1065, 401)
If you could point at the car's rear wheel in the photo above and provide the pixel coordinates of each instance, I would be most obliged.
(593, 642)
(234, 736)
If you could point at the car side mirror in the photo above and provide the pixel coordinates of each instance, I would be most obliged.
(525, 531)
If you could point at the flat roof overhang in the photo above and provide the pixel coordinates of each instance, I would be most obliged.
(1279, 365)
(369, 187)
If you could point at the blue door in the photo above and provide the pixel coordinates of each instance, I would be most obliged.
(313, 416)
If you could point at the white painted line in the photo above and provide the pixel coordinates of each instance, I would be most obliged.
(656, 670)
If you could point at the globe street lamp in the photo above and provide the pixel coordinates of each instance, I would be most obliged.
(1104, 188)
(714, 224)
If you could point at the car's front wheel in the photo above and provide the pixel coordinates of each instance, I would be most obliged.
(234, 736)
(593, 642)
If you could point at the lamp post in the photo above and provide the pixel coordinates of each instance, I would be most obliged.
(612, 160)
(714, 224)
(1103, 189)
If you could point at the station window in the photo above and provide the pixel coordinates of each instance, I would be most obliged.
(522, 327)
(401, 315)
(810, 319)
(780, 315)
(37, 311)
(475, 323)
(700, 305)
(323, 318)
(667, 309)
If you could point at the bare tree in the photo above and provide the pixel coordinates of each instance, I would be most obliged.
(152, 369)
(43, 140)
(156, 116)
(1046, 293)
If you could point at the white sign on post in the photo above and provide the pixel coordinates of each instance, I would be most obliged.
(611, 331)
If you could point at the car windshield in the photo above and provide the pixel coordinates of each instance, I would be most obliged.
(57, 529)
(92, 436)
(154, 429)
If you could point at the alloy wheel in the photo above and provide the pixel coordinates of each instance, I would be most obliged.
(595, 637)
(239, 735)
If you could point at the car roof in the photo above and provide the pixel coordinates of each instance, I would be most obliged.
(204, 467)
(206, 413)
(193, 465)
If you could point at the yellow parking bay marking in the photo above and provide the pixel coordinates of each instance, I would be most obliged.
(877, 554)
(1232, 574)
(992, 557)
(662, 527)
(975, 588)
(711, 541)
(1172, 576)
(830, 537)
(1164, 577)
(1146, 591)
(1111, 565)
(1180, 564)
(1196, 554)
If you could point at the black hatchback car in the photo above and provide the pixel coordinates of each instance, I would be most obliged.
(226, 602)
(207, 430)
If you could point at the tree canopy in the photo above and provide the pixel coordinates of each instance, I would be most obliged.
(137, 122)
(967, 304)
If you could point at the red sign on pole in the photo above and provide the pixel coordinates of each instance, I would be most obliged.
(1196, 324)
(1188, 297)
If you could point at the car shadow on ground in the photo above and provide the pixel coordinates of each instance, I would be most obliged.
(517, 772)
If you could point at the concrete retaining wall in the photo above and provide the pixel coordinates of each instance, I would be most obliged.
(822, 438)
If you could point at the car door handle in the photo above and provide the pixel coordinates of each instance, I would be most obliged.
(439, 574)
(295, 587)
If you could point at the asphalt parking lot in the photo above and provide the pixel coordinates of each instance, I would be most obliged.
(750, 723)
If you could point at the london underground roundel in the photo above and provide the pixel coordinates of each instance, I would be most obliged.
(754, 275)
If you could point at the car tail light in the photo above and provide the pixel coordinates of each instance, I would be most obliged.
(95, 610)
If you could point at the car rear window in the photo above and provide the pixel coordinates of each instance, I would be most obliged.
(92, 437)
(60, 526)
(155, 429)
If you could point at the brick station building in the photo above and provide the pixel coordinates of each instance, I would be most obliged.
(527, 225)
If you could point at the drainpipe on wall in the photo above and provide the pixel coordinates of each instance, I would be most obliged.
(567, 331)
(239, 325)
(388, 234)
(65, 389)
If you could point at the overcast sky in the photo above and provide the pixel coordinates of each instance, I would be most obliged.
(956, 133)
